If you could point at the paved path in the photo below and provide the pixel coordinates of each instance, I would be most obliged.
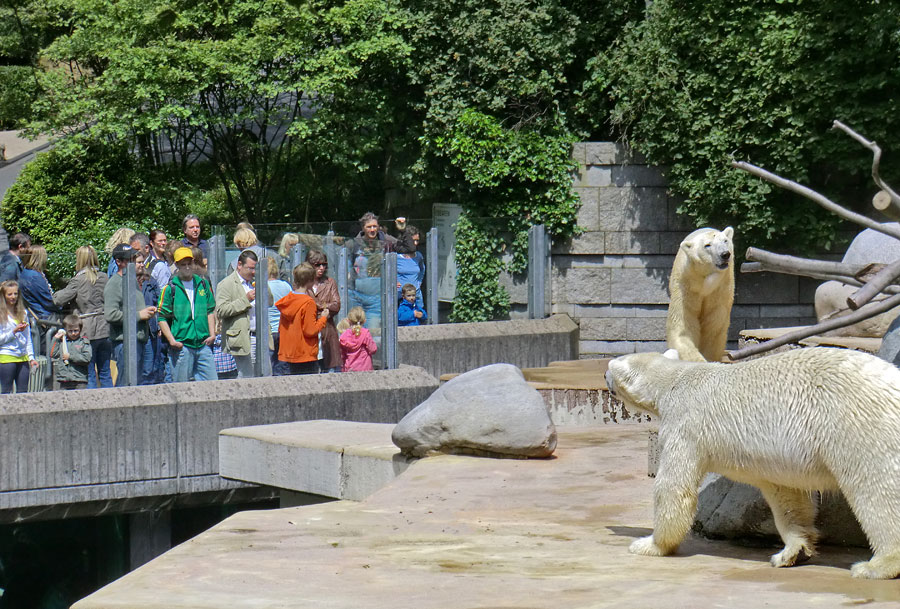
(473, 533)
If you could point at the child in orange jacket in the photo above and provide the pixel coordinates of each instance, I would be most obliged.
(299, 329)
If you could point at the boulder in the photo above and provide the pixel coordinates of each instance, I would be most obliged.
(488, 411)
(732, 510)
(869, 246)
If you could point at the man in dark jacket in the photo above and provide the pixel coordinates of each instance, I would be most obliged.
(187, 321)
(10, 262)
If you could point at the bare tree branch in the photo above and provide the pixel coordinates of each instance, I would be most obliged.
(869, 310)
(792, 265)
(875, 285)
(820, 199)
(876, 163)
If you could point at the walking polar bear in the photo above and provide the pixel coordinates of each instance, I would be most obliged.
(701, 292)
(805, 420)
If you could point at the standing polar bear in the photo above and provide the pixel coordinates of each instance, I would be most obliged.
(791, 423)
(701, 292)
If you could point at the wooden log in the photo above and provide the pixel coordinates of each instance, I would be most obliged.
(801, 266)
(874, 285)
(870, 310)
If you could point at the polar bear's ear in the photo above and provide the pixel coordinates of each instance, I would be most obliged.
(671, 354)
(728, 232)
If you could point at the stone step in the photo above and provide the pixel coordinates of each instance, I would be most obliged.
(337, 459)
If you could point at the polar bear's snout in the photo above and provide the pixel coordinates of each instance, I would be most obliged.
(610, 384)
(723, 256)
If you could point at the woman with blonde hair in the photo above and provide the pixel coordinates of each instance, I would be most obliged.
(288, 242)
(33, 284)
(122, 235)
(16, 350)
(86, 289)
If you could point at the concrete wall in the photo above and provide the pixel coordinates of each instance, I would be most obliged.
(85, 452)
(613, 279)
(456, 348)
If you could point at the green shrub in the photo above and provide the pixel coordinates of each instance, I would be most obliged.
(18, 89)
(696, 83)
(81, 192)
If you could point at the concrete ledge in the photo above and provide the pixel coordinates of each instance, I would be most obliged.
(338, 459)
(526, 343)
(98, 445)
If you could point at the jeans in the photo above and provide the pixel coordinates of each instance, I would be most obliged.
(101, 352)
(119, 356)
(14, 372)
(244, 366)
(188, 363)
(147, 363)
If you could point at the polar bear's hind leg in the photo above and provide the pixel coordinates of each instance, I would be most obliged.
(795, 515)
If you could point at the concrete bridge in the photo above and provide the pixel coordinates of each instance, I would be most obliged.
(146, 450)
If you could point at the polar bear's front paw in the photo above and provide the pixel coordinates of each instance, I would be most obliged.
(792, 555)
(645, 547)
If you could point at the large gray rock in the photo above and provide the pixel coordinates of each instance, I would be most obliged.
(488, 411)
(869, 246)
(731, 510)
(890, 346)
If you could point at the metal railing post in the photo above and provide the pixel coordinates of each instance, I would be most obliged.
(263, 365)
(298, 255)
(216, 260)
(431, 275)
(538, 257)
(389, 310)
(128, 370)
(343, 277)
(330, 252)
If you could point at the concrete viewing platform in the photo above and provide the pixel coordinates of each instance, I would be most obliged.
(468, 532)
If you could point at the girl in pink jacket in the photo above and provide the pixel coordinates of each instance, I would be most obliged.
(357, 345)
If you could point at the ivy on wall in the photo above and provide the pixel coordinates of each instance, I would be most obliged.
(508, 180)
(695, 84)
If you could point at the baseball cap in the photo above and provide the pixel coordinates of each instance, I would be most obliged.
(183, 252)
(124, 252)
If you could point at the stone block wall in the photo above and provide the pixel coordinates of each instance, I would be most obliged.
(613, 278)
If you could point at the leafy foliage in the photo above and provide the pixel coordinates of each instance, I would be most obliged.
(496, 79)
(696, 83)
(508, 181)
(76, 195)
(240, 83)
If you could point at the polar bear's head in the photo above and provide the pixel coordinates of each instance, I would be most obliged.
(710, 248)
(637, 379)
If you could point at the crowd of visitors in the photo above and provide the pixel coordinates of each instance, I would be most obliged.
(188, 328)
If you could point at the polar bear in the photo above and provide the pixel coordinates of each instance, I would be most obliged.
(701, 292)
(805, 420)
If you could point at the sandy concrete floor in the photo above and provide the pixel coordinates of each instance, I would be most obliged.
(466, 533)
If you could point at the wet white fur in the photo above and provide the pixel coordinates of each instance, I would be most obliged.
(701, 294)
(805, 420)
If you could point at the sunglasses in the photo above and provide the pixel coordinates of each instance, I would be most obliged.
(324, 264)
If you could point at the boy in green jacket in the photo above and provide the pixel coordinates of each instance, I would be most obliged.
(187, 321)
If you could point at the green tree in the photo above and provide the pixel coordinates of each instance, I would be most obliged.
(25, 27)
(697, 83)
(240, 83)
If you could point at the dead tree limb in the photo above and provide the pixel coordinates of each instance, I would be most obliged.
(876, 164)
(792, 265)
(874, 286)
(762, 267)
(818, 198)
(865, 312)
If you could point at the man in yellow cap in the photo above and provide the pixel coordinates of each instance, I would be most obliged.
(187, 321)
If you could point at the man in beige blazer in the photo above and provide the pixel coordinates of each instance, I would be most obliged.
(235, 301)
